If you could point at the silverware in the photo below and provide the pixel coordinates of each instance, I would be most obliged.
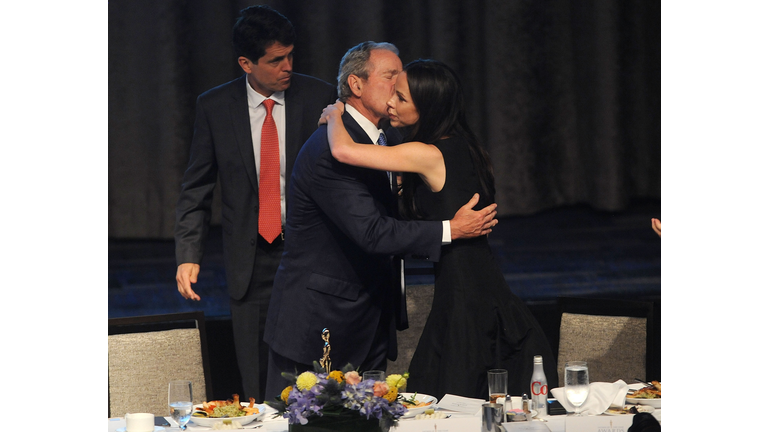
(644, 382)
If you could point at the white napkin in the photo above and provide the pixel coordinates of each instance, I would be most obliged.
(601, 396)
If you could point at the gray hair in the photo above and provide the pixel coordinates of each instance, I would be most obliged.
(355, 62)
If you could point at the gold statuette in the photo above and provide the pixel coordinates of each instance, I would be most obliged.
(325, 361)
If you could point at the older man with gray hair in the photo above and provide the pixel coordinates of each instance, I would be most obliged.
(341, 233)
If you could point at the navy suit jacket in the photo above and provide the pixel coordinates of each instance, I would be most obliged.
(341, 233)
(222, 147)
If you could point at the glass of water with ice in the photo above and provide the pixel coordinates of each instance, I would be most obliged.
(576, 383)
(180, 401)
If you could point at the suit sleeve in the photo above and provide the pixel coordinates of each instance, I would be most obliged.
(193, 210)
(344, 197)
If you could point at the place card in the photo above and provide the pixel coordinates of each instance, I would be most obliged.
(601, 423)
(461, 404)
(526, 426)
(458, 424)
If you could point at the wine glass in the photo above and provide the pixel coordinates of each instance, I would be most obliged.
(180, 401)
(375, 375)
(576, 383)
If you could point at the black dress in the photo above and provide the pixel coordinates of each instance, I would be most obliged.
(476, 322)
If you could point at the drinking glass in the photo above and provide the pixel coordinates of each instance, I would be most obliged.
(497, 384)
(576, 383)
(376, 375)
(180, 401)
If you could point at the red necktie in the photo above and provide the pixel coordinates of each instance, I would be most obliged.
(270, 224)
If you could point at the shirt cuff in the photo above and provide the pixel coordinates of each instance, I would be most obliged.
(446, 232)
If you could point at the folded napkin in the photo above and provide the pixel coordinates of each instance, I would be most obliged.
(601, 396)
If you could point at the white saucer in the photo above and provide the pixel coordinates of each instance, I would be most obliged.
(157, 429)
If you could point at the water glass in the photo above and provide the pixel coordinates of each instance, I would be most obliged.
(576, 383)
(376, 375)
(497, 384)
(180, 401)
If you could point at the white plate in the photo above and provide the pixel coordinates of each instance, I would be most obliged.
(656, 403)
(157, 429)
(421, 398)
(640, 408)
(244, 420)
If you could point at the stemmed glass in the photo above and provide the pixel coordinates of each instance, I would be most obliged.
(180, 401)
(375, 375)
(576, 383)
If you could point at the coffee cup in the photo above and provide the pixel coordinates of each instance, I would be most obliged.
(139, 422)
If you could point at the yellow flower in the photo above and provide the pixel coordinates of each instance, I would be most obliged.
(391, 394)
(337, 375)
(285, 393)
(306, 381)
(397, 381)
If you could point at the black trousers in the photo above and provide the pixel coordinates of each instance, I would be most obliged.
(249, 317)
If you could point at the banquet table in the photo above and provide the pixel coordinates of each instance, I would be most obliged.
(457, 422)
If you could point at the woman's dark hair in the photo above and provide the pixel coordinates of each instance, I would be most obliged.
(437, 95)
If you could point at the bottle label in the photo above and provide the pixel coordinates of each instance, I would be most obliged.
(538, 389)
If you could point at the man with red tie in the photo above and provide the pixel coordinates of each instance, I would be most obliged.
(247, 134)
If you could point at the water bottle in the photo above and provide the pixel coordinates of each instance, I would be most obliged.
(539, 388)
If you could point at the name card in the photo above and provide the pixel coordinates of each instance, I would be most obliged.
(601, 423)
(458, 424)
(526, 426)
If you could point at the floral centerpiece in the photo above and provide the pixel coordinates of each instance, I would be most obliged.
(340, 400)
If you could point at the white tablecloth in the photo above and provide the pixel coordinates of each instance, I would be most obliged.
(458, 422)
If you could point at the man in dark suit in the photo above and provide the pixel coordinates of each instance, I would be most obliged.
(341, 233)
(228, 142)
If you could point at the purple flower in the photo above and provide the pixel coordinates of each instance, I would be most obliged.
(332, 395)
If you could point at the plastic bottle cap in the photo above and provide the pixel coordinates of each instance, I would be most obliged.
(537, 359)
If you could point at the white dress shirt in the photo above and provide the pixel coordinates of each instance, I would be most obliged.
(257, 113)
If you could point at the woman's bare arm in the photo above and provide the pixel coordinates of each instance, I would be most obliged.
(423, 159)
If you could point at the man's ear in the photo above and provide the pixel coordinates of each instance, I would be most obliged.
(245, 64)
(355, 85)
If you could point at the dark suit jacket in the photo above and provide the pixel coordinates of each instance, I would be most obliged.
(336, 267)
(222, 146)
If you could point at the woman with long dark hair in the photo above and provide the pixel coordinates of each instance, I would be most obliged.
(476, 322)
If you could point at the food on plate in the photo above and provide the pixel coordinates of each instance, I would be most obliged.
(431, 415)
(412, 402)
(648, 392)
(227, 425)
(625, 410)
(629, 409)
(224, 409)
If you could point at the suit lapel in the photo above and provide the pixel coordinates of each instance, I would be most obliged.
(379, 178)
(241, 125)
(294, 116)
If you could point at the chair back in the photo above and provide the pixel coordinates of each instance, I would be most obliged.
(146, 353)
(612, 336)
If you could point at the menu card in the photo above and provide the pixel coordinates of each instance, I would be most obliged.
(461, 404)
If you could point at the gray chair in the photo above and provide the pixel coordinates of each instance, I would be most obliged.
(147, 352)
(419, 301)
(617, 338)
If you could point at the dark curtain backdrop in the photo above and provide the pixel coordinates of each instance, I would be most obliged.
(564, 94)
